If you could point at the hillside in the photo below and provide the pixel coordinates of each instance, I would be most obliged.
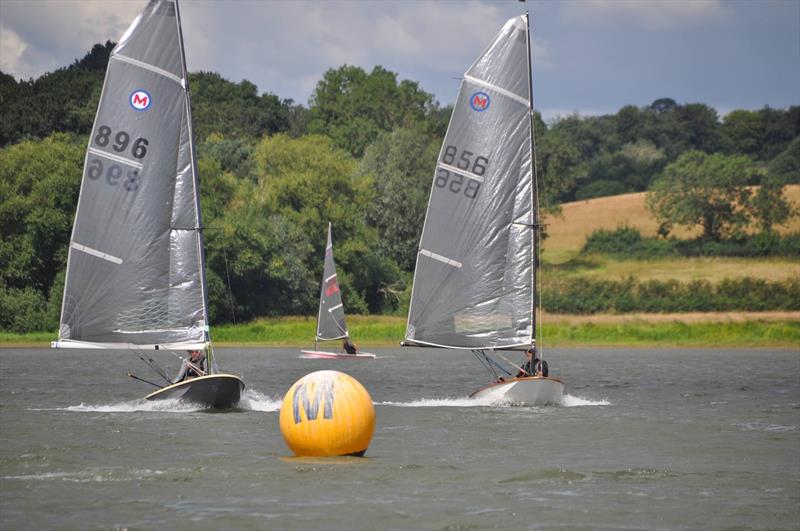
(578, 219)
(568, 233)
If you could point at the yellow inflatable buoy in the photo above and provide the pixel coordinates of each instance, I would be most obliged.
(327, 413)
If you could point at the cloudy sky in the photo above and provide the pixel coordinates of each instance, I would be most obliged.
(590, 56)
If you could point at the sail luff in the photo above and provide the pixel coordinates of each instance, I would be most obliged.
(534, 187)
(78, 206)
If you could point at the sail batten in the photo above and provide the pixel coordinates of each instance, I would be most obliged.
(475, 291)
(132, 280)
(151, 68)
(497, 89)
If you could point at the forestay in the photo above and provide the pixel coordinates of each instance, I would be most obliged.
(330, 321)
(473, 284)
(135, 269)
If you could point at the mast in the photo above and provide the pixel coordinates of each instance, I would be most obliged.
(211, 365)
(534, 189)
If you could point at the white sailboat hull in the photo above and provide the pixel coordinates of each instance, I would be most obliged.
(531, 391)
(319, 354)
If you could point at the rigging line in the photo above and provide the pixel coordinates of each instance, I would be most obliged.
(150, 365)
(506, 359)
(485, 362)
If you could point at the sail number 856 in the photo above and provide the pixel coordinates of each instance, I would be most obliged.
(456, 184)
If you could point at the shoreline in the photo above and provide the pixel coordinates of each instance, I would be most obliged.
(685, 330)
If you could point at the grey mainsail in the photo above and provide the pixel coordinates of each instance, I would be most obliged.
(473, 284)
(330, 320)
(135, 276)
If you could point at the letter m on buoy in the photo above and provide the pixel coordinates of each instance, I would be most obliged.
(324, 394)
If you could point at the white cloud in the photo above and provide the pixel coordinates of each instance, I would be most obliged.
(650, 14)
(283, 46)
(296, 41)
(11, 50)
(37, 37)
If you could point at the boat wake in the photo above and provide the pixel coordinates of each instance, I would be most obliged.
(254, 401)
(576, 401)
(566, 401)
(251, 401)
(172, 405)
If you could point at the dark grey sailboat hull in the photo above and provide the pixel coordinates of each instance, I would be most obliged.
(219, 391)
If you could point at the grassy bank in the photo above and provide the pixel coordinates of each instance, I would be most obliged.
(651, 330)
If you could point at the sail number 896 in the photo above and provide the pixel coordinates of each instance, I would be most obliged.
(120, 142)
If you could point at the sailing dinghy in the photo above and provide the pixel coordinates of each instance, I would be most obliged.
(135, 271)
(475, 278)
(330, 318)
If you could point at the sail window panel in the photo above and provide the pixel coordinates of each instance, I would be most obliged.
(153, 39)
(502, 62)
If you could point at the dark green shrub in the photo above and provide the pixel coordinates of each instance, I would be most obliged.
(627, 242)
(586, 296)
(600, 188)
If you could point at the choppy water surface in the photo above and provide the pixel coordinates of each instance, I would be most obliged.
(645, 439)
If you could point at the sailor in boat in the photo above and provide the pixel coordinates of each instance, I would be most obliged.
(533, 366)
(348, 347)
(192, 366)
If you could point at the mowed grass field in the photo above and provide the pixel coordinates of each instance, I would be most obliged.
(567, 234)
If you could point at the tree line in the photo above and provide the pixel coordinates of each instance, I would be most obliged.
(361, 155)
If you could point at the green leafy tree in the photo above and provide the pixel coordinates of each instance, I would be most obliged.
(698, 127)
(402, 164)
(769, 207)
(563, 167)
(234, 109)
(706, 190)
(39, 183)
(309, 182)
(353, 107)
(761, 134)
(785, 168)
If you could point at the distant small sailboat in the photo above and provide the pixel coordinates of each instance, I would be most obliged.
(135, 271)
(330, 318)
(475, 278)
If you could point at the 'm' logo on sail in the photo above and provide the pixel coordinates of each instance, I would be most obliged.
(324, 394)
(479, 101)
(140, 100)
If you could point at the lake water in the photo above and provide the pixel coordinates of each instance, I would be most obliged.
(645, 439)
